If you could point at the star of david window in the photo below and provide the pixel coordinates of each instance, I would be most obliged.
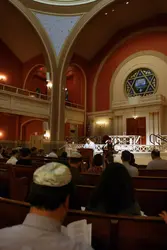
(140, 82)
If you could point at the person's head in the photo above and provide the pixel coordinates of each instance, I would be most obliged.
(126, 156)
(41, 152)
(155, 154)
(54, 150)
(75, 159)
(64, 155)
(25, 153)
(15, 153)
(34, 151)
(88, 140)
(132, 159)
(97, 160)
(115, 190)
(50, 191)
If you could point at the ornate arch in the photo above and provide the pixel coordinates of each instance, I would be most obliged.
(133, 62)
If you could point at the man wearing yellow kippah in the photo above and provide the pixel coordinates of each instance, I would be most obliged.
(49, 199)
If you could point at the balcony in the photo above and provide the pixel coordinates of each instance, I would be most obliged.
(23, 102)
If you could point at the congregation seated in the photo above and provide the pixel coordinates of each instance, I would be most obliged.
(14, 158)
(126, 158)
(25, 157)
(34, 152)
(157, 162)
(49, 199)
(115, 193)
(97, 166)
(53, 153)
(75, 166)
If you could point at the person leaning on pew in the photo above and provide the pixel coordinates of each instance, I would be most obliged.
(49, 199)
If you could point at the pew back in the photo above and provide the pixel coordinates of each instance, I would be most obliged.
(108, 232)
(148, 182)
(151, 201)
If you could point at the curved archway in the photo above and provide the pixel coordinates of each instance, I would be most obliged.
(154, 60)
(76, 84)
(37, 126)
(49, 52)
(36, 79)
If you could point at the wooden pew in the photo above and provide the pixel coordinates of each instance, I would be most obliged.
(108, 232)
(147, 182)
(150, 172)
(151, 201)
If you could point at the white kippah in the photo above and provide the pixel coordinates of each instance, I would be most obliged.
(53, 174)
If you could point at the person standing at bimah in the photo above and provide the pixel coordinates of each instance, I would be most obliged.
(49, 199)
(89, 144)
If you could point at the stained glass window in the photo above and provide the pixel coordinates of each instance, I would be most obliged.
(140, 82)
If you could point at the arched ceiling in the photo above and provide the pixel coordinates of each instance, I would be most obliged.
(117, 16)
(17, 33)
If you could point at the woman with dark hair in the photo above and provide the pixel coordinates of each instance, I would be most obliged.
(115, 193)
(97, 164)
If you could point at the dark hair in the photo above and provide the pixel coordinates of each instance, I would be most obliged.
(15, 151)
(126, 156)
(64, 154)
(132, 159)
(49, 198)
(115, 191)
(98, 160)
(33, 149)
(74, 160)
(25, 152)
(155, 153)
(54, 150)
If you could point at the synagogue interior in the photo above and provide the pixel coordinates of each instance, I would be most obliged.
(83, 124)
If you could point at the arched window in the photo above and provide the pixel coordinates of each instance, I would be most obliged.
(141, 82)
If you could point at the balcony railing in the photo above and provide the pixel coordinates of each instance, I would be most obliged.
(24, 92)
(12, 89)
(74, 105)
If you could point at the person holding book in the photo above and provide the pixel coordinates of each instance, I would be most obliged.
(115, 193)
(49, 199)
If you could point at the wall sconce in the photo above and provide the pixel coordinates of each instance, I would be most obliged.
(135, 116)
(49, 85)
(101, 123)
(47, 135)
(3, 78)
(1, 134)
(47, 76)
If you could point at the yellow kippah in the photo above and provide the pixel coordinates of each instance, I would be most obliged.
(53, 174)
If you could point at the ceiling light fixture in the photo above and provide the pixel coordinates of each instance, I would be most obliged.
(127, 2)
(113, 10)
(106, 14)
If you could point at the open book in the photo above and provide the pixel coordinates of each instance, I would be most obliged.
(79, 231)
